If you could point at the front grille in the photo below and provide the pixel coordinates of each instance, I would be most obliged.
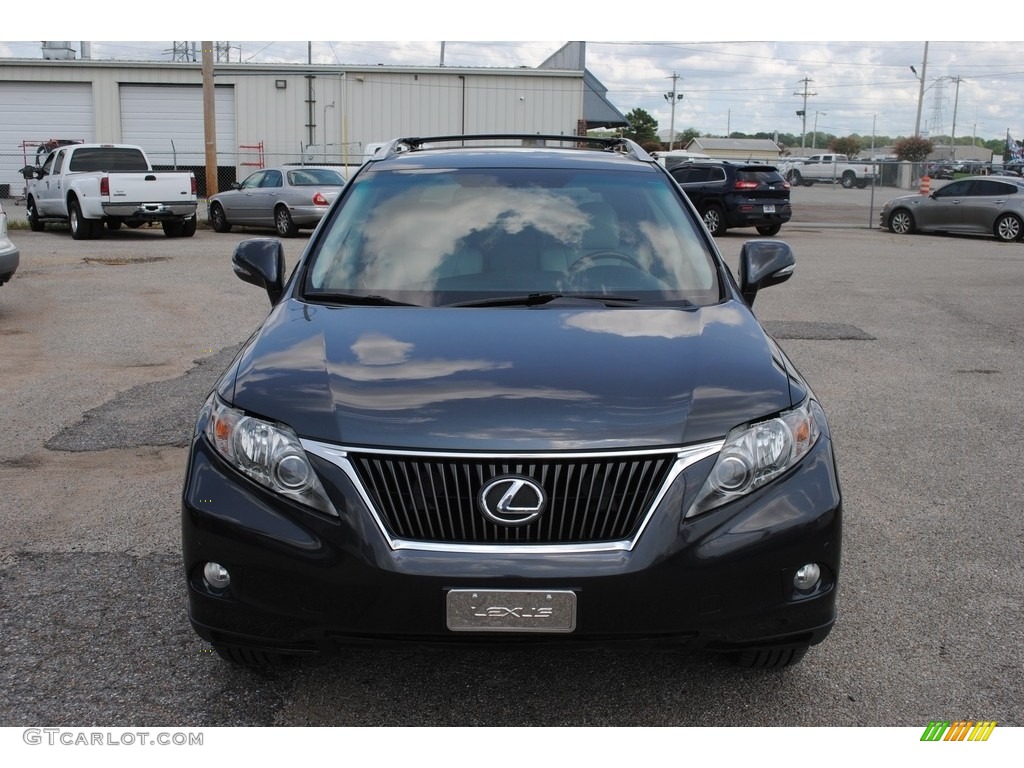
(434, 499)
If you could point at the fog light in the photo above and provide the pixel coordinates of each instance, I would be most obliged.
(216, 575)
(807, 577)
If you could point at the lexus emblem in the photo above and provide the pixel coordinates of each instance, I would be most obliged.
(512, 500)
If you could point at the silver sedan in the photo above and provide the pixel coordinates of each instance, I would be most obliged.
(983, 205)
(288, 198)
(9, 255)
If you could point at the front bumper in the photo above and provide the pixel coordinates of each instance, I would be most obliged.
(9, 260)
(304, 582)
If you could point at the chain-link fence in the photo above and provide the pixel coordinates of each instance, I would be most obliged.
(825, 202)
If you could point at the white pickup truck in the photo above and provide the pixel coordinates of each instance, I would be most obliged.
(831, 169)
(92, 185)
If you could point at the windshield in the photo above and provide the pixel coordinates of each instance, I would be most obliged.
(315, 177)
(447, 236)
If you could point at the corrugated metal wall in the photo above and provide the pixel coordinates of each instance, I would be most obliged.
(288, 107)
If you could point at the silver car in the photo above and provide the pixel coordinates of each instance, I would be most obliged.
(288, 198)
(9, 255)
(982, 205)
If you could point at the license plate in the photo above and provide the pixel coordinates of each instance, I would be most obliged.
(482, 610)
(769, 209)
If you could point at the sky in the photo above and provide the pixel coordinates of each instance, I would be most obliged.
(750, 79)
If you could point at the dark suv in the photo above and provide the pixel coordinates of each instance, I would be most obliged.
(728, 194)
(511, 393)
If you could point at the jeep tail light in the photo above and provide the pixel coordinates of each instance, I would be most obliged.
(105, 185)
(319, 199)
(745, 185)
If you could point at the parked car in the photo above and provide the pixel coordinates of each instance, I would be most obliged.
(729, 194)
(985, 205)
(511, 393)
(940, 170)
(286, 199)
(9, 254)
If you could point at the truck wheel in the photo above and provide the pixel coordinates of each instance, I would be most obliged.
(34, 223)
(81, 228)
(862, 184)
(794, 177)
(173, 228)
(283, 222)
(218, 220)
(189, 227)
(848, 180)
(113, 224)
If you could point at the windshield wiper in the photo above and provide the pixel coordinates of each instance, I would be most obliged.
(336, 297)
(536, 299)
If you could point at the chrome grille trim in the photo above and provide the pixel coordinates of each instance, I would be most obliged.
(340, 457)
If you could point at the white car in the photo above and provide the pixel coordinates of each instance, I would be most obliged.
(9, 255)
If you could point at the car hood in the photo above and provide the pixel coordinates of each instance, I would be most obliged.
(521, 379)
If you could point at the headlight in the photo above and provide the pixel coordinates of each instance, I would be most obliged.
(265, 452)
(755, 454)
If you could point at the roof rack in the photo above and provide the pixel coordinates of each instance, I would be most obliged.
(609, 144)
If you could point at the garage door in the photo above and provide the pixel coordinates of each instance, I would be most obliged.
(167, 121)
(37, 112)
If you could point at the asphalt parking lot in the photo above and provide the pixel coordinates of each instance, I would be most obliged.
(914, 345)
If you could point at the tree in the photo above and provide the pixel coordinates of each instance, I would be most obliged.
(684, 138)
(913, 148)
(848, 146)
(642, 126)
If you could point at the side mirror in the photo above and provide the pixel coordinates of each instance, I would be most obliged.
(261, 263)
(236, 185)
(29, 172)
(764, 263)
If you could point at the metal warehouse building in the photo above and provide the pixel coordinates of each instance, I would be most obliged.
(282, 113)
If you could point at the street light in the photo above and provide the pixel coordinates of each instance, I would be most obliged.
(814, 136)
(326, 107)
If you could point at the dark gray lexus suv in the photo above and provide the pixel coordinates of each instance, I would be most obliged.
(511, 393)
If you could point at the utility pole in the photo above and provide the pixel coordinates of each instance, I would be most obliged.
(673, 97)
(802, 113)
(956, 100)
(920, 95)
(209, 120)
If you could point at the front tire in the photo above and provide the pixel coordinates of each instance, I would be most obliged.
(1008, 228)
(283, 222)
(218, 220)
(34, 222)
(714, 220)
(901, 222)
(768, 658)
(248, 657)
(769, 230)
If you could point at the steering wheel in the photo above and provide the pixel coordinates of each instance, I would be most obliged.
(586, 262)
